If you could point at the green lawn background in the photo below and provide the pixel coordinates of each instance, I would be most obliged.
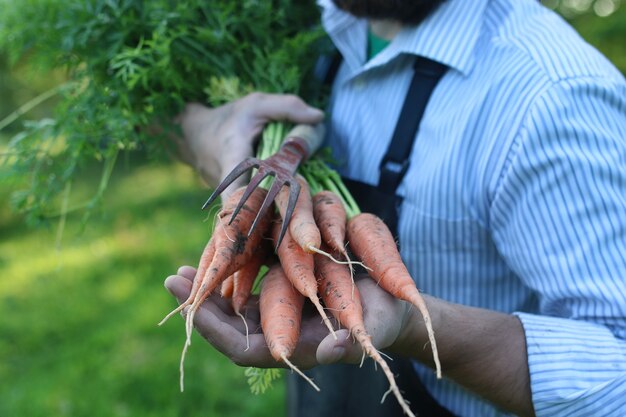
(78, 333)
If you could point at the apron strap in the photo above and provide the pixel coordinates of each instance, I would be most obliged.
(383, 199)
(395, 163)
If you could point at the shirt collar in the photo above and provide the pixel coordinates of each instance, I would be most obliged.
(448, 36)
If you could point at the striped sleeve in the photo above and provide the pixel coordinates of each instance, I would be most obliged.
(559, 220)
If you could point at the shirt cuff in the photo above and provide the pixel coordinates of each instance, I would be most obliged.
(577, 368)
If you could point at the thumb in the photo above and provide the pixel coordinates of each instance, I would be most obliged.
(343, 349)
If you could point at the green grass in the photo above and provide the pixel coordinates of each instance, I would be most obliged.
(78, 334)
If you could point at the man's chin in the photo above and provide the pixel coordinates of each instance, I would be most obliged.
(409, 12)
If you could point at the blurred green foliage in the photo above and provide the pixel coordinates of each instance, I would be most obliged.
(131, 65)
(601, 22)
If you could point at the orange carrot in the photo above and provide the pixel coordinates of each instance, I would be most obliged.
(203, 265)
(233, 249)
(330, 217)
(344, 301)
(280, 307)
(245, 277)
(299, 268)
(302, 225)
(226, 289)
(373, 243)
(243, 280)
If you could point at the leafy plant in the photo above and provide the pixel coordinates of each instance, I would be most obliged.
(260, 380)
(132, 64)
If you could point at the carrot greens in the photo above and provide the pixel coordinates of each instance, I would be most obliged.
(132, 65)
(261, 379)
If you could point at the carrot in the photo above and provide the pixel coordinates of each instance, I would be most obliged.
(330, 217)
(373, 243)
(280, 307)
(203, 265)
(305, 228)
(344, 301)
(233, 249)
(245, 277)
(302, 224)
(299, 267)
(243, 280)
(226, 289)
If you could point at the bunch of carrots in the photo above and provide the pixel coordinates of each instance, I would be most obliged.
(312, 262)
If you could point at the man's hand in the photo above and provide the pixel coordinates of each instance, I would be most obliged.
(480, 349)
(215, 320)
(215, 140)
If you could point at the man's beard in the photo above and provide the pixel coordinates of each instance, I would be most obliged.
(409, 12)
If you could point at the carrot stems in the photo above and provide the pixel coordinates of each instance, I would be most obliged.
(272, 138)
(321, 177)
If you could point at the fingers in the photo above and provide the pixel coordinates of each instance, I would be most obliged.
(216, 139)
(216, 322)
(187, 272)
(221, 308)
(282, 107)
(198, 146)
(179, 286)
(231, 341)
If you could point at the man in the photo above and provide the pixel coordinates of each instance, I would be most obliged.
(512, 207)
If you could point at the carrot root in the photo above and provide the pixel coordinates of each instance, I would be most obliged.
(232, 247)
(280, 307)
(302, 225)
(418, 301)
(247, 331)
(366, 343)
(299, 266)
(316, 302)
(373, 243)
(334, 283)
(181, 367)
(337, 261)
(203, 265)
(176, 310)
(299, 372)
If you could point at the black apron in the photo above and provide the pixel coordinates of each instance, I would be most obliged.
(348, 390)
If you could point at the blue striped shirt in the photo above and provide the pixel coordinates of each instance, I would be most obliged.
(515, 199)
